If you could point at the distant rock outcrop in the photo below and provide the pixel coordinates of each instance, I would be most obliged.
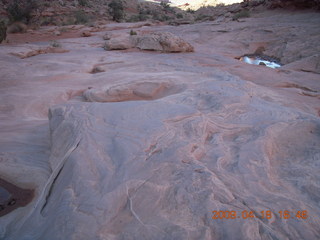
(121, 43)
(157, 41)
(164, 42)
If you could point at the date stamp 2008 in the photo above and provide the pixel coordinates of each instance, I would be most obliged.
(267, 214)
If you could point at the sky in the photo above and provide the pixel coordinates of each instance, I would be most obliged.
(196, 2)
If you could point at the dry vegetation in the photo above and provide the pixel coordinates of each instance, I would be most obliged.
(20, 14)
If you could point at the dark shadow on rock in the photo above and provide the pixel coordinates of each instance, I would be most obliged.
(13, 197)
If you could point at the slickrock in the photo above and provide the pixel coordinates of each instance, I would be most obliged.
(132, 91)
(28, 50)
(308, 64)
(154, 145)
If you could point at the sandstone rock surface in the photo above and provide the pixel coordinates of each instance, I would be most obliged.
(28, 50)
(120, 43)
(151, 145)
(308, 64)
(156, 41)
(132, 91)
(164, 42)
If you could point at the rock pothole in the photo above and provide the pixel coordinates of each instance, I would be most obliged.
(133, 92)
(262, 60)
(13, 197)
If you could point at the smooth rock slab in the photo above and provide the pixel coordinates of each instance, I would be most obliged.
(132, 91)
(157, 169)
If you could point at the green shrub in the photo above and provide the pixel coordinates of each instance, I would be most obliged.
(83, 3)
(179, 15)
(21, 10)
(55, 44)
(166, 7)
(3, 31)
(189, 10)
(241, 14)
(142, 10)
(81, 17)
(132, 32)
(162, 18)
(45, 21)
(143, 17)
(116, 10)
(133, 18)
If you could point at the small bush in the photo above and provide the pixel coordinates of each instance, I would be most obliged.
(116, 10)
(189, 10)
(143, 17)
(81, 17)
(133, 18)
(179, 15)
(83, 3)
(21, 10)
(3, 31)
(166, 7)
(142, 10)
(45, 21)
(241, 14)
(132, 33)
(55, 44)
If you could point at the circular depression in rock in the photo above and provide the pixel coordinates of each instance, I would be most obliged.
(262, 60)
(13, 197)
(133, 92)
(4, 195)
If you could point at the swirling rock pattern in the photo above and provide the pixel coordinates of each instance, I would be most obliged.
(150, 145)
(132, 91)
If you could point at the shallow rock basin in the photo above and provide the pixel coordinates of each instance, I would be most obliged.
(257, 60)
(12, 197)
(4, 196)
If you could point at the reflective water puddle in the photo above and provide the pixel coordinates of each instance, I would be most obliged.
(260, 60)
